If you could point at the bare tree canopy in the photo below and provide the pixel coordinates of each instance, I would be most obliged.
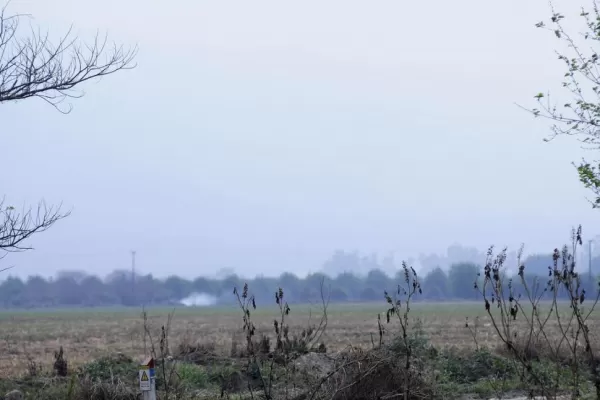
(32, 66)
(17, 226)
(35, 67)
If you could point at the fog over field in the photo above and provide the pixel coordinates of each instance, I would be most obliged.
(291, 201)
(263, 137)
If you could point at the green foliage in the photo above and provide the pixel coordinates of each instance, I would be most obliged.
(109, 368)
(474, 366)
(461, 278)
(416, 340)
(227, 377)
(192, 376)
(589, 176)
(580, 114)
(436, 284)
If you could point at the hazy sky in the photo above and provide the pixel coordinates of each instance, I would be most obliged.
(262, 136)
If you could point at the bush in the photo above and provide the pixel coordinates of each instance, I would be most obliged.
(417, 341)
(107, 368)
(374, 374)
(192, 376)
(470, 368)
(228, 378)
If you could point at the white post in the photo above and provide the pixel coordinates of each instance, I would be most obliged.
(147, 379)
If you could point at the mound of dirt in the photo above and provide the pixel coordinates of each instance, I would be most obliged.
(316, 364)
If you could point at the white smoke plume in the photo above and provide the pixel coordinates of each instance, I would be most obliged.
(199, 300)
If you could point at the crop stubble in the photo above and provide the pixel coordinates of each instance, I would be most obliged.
(89, 334)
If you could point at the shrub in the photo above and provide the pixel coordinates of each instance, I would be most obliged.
(472, 367)
(192, 376)
(107, 368)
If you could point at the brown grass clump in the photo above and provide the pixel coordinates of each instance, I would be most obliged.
(90, 390)
(536, 349)
(25, 339)
(373, 374)
(199, 353)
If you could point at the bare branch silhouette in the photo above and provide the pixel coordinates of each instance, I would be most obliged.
(33, 66)
(18, 226)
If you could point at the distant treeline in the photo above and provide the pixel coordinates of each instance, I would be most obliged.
(73, 288)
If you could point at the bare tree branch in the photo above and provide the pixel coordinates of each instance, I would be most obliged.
(35, 67)
(32, 66)
(579, 116)
(18, 226)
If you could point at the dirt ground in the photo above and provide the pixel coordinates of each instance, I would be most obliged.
(34, 336)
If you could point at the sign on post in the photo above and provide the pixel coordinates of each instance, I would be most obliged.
(147, 379)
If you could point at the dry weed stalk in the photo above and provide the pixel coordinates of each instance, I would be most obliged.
(163, 358)
(401, 310)
(286, 347)
(524, 345)
(473, 330)
(362, 374)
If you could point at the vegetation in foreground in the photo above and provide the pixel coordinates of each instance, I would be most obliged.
(541, 348)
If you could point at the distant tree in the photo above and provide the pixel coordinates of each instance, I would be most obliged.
(341, 262)
(431, 261)
(537, 264)
(38, 292)
(35, 67)
(338, 295)
(117, 288)
(230, 282)
(461, 278)
(349, 282)
(457, 253)
(370, 294)
(94, 292)
(378, 279)
(388, 264)
(313, 281)
(69, 291)
(178, 287)
(369, 263)
(146, 288)
(12, 292)
(121, 284)
(204, 285)
(311, 287)
(436, 285)
(78, 276)
(291, 283)
(263, 289)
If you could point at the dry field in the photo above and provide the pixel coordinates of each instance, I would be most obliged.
(91, 333)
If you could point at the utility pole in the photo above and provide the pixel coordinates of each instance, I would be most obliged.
(133, 277)
(590, 258)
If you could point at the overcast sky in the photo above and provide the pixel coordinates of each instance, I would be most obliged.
(262, 136)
